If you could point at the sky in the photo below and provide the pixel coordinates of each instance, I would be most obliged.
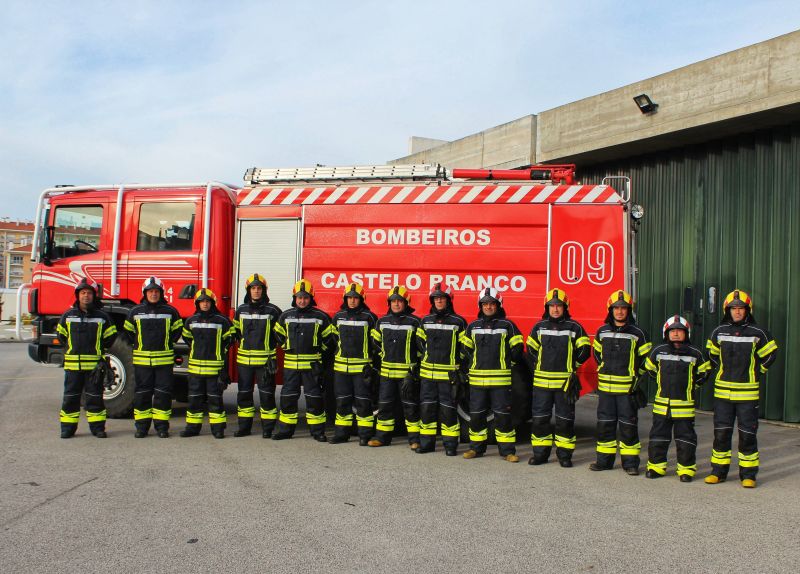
(139, 91)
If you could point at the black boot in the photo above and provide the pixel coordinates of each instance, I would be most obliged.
(190, 430)
(100, 433)
(320, 437)
(245, 427)
(68, 431)
(537, 460)
(339, 439)
(282, 435)
(267, 427)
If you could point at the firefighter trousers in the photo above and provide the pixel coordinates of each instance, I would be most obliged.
(249, 378)
(315, 405)
(685, 444)
(544, 433)
(725, 413)
(616, 410)
(437, 405)
(152, 399)
(205, 394)
(352, 390)
(498, 399)
(388, 392)
(75, 384)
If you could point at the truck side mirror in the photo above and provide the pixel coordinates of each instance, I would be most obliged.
(188, 291)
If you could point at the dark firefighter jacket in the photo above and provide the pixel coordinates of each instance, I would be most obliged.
(395, 334)
(352, 328)
(741, 352)
(678, 368)
(438, 341)
(153, 329)
(620, 353)
(556, 348)
(491, 346)
(85, 337)
(304, 334)
(209, 334)
(255, 322)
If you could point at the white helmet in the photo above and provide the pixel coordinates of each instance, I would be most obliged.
(490, 295)
(677, 322)
(152, 282)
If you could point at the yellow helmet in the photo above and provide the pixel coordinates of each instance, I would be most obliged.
(255, 279)
(205, 294)
(555, 296)
(303, 287)
(355, 290)
(619, 299)
(737, 298)
(399, 292)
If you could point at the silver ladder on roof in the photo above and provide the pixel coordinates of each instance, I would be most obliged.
(263, 176)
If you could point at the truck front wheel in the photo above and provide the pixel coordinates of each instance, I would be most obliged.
(119, 398)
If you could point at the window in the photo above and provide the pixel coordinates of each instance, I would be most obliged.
(77, 230)
(16, 260)
(166, 227)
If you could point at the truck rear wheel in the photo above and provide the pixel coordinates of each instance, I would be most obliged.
(119, 398)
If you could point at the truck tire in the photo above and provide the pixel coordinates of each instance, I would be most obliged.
(119, 398)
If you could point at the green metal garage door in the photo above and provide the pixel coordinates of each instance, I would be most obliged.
(722, 215)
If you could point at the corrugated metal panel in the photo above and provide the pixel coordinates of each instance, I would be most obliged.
(724, 214)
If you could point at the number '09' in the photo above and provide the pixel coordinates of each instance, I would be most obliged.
(595, 263)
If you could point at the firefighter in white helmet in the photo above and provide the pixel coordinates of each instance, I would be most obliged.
(395, 334)
(678, 368)
(492, 344)
(305, 333)
(742, 351)
(152, 328)
(557, 346)
(256, 363)
(353, 374)
(84, 331)
(440, 383)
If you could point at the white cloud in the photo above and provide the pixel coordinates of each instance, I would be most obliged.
(94, 92)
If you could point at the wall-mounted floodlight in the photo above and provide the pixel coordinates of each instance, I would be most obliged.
(646, 105)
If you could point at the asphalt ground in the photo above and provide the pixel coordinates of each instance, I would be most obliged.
(206, 505)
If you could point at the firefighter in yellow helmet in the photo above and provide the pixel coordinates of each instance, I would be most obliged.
(620, 348)
(353, 374)
(395, 334)
(209, 334)
(557, 346)
(256, 363)
(85, 331)
(304, 332)
(742, 352)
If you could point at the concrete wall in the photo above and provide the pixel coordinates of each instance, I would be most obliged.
(754, 79)
(505, 146)
(747, 89)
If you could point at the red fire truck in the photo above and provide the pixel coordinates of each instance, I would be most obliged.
(520, 231)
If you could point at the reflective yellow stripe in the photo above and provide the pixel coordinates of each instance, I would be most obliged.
(288, 418)
(161, 415)
(70, 418)
(142, 414)
(607, 447)
(343, 420)
(658, 467)
(96, 416)
(412, 426)
(510, 436)
(365, 421)
(565, 442)
(246, 412)
(194, 418)
(217, 418)
(748, 460)
(629, 449)
(478, 436)
(316, 419)
(451, 430)
(720, 457)
(385, 425)
(686, 470)
(268, 414)
(541, 440)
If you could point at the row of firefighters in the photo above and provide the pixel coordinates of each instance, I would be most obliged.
(428, 364)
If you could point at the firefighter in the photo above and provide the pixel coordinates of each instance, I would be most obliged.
(678, 368)
(492, 344)
(557, 346)
(305, 333)
(742, 352)
(256, 363)
(85, 331)
(395, 334)
(440, 384)
(152, 328)
(209, 334)
(353, 373)
(620, 348)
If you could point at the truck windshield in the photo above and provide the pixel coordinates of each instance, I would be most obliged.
(77, 230)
